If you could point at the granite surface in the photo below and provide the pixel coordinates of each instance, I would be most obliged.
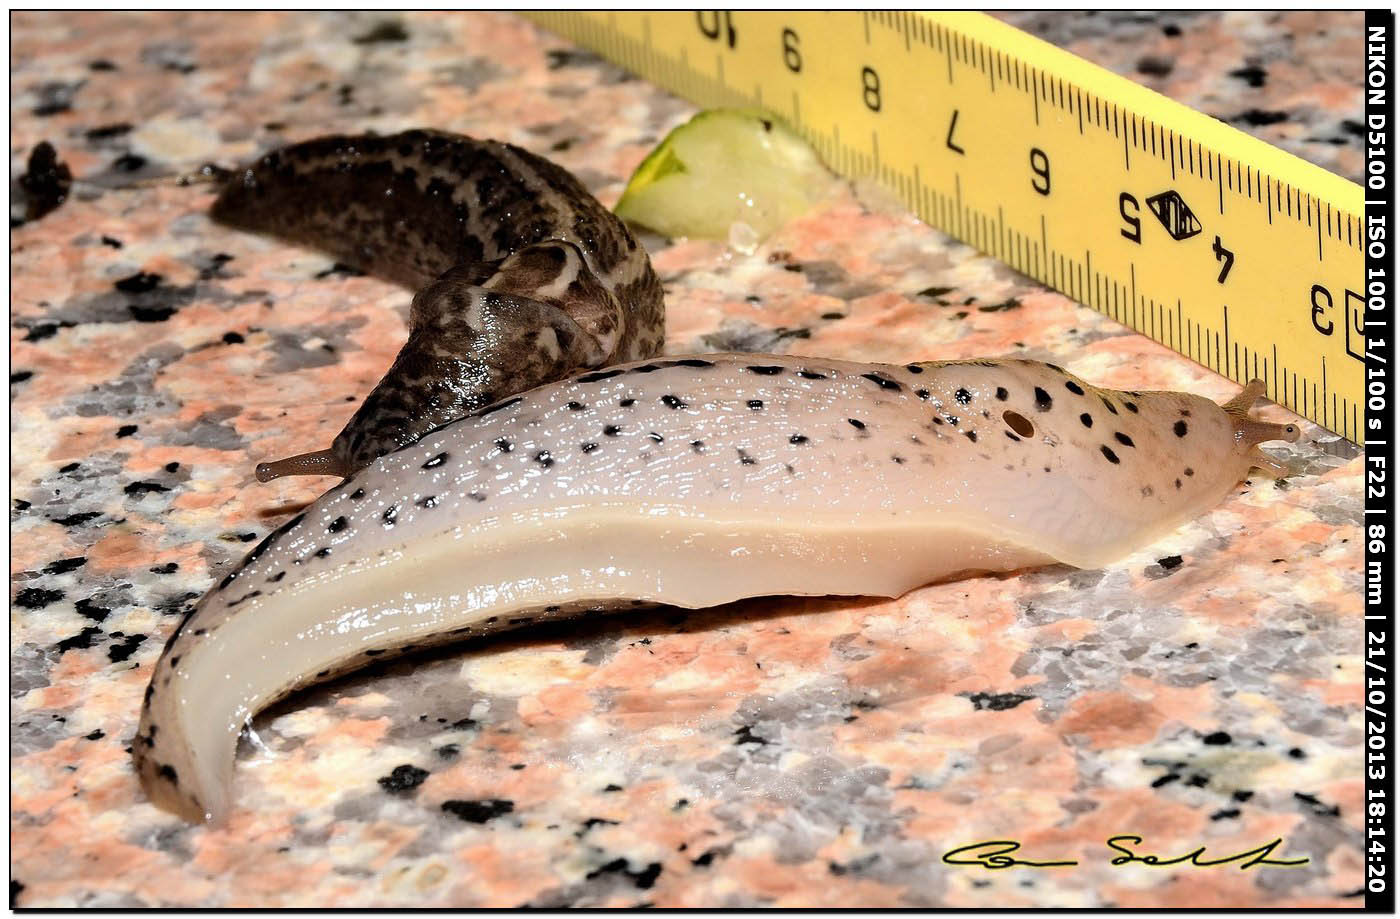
(1202, 692)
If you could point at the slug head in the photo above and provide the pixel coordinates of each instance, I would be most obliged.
(1249, 432)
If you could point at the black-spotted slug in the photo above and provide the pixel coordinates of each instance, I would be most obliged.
(522, 277)
(690, 481)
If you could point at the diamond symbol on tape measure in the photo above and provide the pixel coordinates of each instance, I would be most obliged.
(1175, 216)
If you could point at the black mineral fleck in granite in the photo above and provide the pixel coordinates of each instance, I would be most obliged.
(45, 182)
(64, 565)
(404, 778)
(123, 649)
(478, 811)
(996, 701)
(1169, 562)
(37, 597)
(1216, 739)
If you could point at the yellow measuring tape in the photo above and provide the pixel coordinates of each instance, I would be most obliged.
(1216, 244)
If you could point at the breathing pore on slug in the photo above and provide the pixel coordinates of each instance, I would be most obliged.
(689, 481)
(521, 276)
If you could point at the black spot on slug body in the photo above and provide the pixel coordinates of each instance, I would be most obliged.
(763, 370)
(544, 459)
(627, 403)
(1011, 436)
(1131, 406)
(1189, 471)
(857, 424)
(756, 404)
(599, 376)
(1179, 429)
(323, 552)
(671, 401)
(1002, 394)
(357, 494)
(337, 525)
(588, 447)
(435, 461)
(1112, 409)
(611, 430)
(811, 375)
(913, 368)
(797, 439)
(1109, 454)
(1087, 420)
(971, 435)
(745, 459)
(428, 501)
(698, 446)
(694, 362)
(504, 445)
(922, 394)
(390, 514)
(574, 406)
(883, 382)
(1074, 387)
(1042, 400)
(963, 396)
(168, 773)
(1123, 439)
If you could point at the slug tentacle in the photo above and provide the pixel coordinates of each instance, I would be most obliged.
(522, 276)
(1251, 431)
(691, 481)
(321, 462)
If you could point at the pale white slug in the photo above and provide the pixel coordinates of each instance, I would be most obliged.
(690, 481)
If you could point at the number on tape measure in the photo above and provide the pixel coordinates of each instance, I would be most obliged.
(1211, 242)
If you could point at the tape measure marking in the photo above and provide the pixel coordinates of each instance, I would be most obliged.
(1081, 179)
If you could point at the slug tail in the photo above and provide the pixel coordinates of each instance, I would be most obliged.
(321, 462)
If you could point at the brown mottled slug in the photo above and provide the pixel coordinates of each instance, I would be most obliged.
(690, 481)
(522, 277)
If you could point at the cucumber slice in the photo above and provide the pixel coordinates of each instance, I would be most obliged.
(721, 168)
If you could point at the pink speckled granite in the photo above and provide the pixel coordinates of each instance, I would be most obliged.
(1205, 691)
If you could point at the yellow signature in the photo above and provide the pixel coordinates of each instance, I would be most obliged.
(996, 854)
